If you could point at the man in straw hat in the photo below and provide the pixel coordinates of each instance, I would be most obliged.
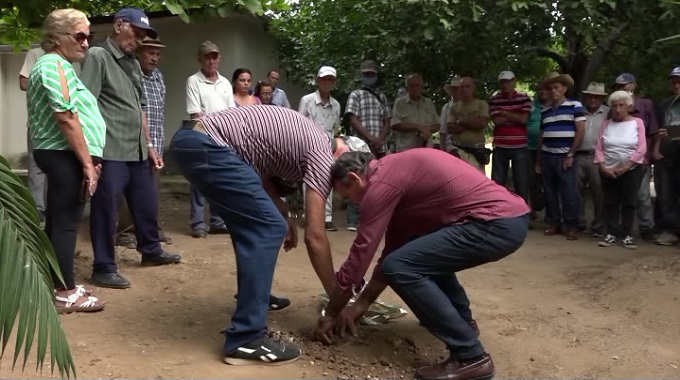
(562, 129)
(453, 89)
(588, 174)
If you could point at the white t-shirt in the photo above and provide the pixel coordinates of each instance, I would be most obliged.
(619, 140)
(204, 96)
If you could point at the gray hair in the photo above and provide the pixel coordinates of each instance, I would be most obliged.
(350, 162)
(618, 96)
(60, 23)
(411, 76)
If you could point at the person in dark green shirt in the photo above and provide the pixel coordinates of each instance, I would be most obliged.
(533, 129)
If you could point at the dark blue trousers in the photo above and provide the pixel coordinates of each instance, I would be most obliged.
(423, 273)
(234, 191)
(135, 181)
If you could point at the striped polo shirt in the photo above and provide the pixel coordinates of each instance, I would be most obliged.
(275, 141)
(510, 134)
(559, 126)
(44, 96)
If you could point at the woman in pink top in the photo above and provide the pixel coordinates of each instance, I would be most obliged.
(620, 150)
(241, 80)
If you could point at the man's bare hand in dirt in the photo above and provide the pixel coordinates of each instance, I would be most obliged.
(291, 240)
(324, 330)
(348, 316)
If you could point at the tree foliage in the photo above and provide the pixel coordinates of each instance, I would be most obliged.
(585, 38)
(26, 258)
(20, 19)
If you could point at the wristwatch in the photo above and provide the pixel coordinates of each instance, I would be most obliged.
(570, 154)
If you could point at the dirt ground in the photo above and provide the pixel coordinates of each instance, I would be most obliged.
(554, 309)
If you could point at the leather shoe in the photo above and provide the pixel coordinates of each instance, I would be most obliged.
(164, 258)
(110, 280)
(481, 368)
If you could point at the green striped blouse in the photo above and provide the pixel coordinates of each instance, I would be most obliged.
(44, 97)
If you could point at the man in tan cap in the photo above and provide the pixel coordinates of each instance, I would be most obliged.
(588, 175)
(153, 85)
(562, 129)
(453, 89)
(207, 92)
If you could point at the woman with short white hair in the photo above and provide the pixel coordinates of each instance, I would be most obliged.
(620, 152)
(68, 133)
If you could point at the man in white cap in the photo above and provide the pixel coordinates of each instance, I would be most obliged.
(509, 110)
(588, 173)
(324, 111)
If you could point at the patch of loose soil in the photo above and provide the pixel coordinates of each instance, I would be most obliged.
(553, 309)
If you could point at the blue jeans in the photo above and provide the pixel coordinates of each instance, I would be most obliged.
(560, 186)
(196, 214)
(423, 273)
(500, 165)
(234, 191)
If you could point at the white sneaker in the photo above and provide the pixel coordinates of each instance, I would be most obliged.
(607, 241)
(667, 239)
(351, 228)
(628, 243)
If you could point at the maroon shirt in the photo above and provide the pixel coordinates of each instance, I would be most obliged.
(415, 192)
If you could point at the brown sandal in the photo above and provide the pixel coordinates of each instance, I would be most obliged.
(78, 301)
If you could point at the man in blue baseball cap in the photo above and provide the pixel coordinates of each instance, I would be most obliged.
(113, 75)
(137, 18)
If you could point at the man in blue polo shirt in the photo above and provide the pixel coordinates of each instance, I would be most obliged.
(562, 130)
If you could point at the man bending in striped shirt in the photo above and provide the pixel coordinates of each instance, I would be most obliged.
(231, 156)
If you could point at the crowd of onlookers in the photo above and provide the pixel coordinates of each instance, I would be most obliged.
(100, 133)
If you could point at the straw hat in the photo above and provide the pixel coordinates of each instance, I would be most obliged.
(595, 88)
(553, 77)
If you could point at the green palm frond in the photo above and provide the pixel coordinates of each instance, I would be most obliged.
(26, 296)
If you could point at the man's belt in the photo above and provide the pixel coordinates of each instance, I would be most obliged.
(195, 125)
(481, 154)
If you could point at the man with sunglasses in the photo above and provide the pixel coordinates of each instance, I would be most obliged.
(113, 75)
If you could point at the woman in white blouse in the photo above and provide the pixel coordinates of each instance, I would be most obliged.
(620, 151)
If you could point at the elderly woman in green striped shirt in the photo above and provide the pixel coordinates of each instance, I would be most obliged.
(68, 133)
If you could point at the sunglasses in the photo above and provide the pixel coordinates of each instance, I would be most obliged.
(80, 37)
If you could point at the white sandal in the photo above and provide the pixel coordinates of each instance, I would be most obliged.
(90, 304)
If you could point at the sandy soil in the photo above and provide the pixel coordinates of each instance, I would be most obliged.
(553, 309)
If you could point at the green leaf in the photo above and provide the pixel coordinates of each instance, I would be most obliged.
(428, 34)
(26, 261)
(174, 7)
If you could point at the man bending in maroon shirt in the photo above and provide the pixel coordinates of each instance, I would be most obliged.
(441, 216)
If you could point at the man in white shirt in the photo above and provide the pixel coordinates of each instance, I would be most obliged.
(279, 97)
(37, 182)
(324, 111)
(207, 92)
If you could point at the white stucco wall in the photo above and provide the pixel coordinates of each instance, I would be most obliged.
(242, 40)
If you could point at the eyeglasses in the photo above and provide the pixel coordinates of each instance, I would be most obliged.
(80, 37)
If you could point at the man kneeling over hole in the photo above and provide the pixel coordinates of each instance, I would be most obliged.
(441, 216)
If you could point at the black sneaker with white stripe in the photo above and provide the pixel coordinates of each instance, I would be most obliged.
(264, 351)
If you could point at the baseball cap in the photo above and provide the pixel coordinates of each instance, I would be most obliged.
(369, 66)
(625, 78)
(326, 71)
(136, 17)
(506, 75)
(208, 47)
(675, 72)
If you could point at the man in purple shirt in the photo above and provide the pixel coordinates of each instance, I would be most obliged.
(644, 109)
(439, 215)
